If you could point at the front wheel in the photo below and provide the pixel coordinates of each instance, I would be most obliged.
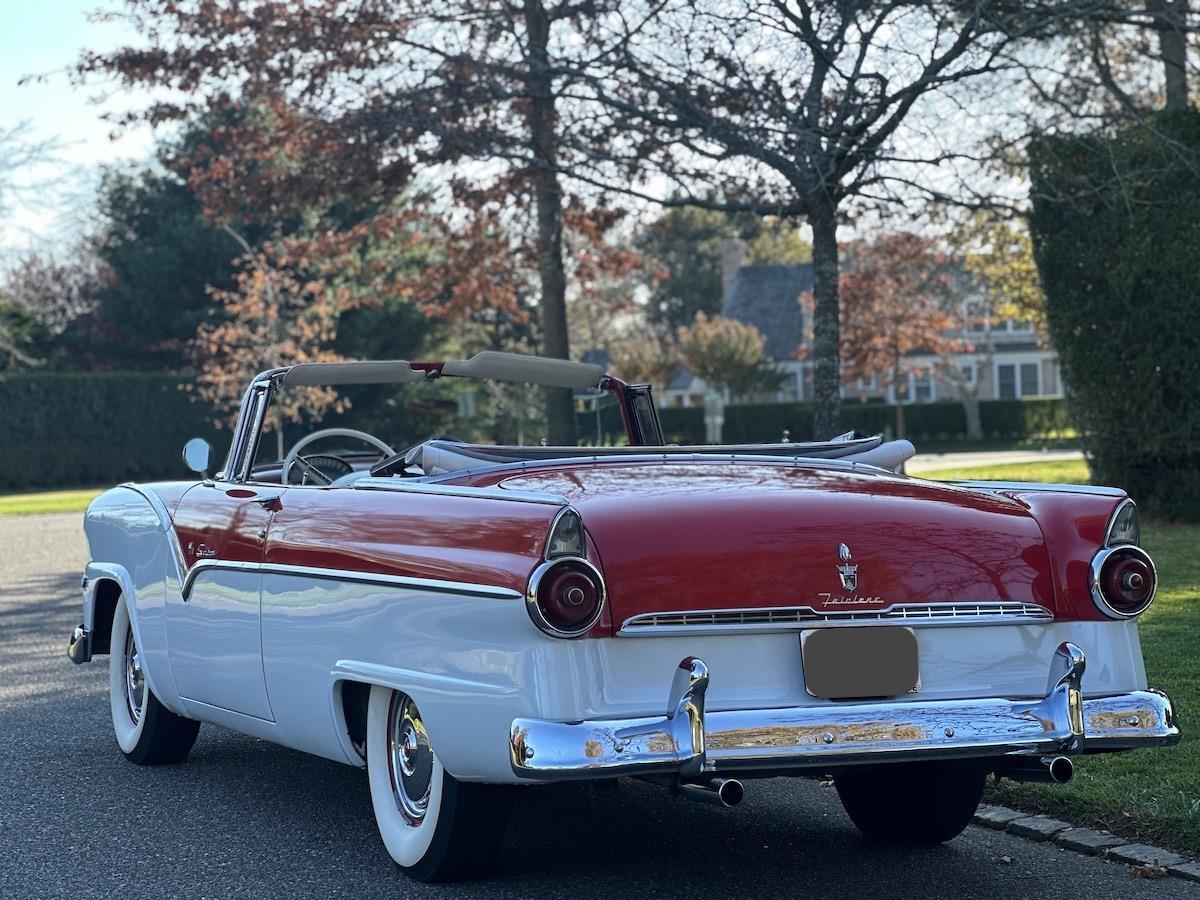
(435, 827)
(912, 803)
(147, 732)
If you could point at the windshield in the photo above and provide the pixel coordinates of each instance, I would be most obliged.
(325, 435)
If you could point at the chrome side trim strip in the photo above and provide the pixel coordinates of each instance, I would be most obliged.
(405, 486)
(795, 618)
(463, 588)
(1036, 486)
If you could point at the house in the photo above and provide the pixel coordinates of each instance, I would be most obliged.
(1011, 359)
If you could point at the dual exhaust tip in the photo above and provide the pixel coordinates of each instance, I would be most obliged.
(729, 792)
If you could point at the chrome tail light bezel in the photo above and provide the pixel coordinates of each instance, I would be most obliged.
(534, 608)
(1095, 580)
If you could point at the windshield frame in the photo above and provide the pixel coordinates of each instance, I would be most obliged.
(638, 414)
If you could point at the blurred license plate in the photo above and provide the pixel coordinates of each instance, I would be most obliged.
(840, 663)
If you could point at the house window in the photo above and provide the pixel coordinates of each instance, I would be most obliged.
(968, 374)
(1030, 379)
(870, 383)
(1023, 380)
(922, 388)
(1006, 382)
(976, 315)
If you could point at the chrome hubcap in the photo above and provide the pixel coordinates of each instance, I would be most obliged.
(135, 684)
(410, 759)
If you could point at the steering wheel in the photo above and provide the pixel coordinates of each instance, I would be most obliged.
(294, 458)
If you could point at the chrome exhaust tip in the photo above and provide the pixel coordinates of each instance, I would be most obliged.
(726, 792)
(1048, 769)
(1060, 769)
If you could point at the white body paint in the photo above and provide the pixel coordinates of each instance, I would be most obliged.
(263, 651)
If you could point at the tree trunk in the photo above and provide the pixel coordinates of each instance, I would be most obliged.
(827, 399)
(900, 392)
(970, 402)
(1172, 47)
(543, 124)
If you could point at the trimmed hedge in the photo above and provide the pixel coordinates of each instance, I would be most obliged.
(1116, 234)
(84, 428)
(925, 422)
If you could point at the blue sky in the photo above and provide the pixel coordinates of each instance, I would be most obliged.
(43, 38)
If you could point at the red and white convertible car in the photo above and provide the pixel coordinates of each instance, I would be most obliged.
(462, 618)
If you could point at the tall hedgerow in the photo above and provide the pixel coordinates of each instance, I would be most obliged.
(1116, 230)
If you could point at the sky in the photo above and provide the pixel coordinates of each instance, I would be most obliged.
(43, 37)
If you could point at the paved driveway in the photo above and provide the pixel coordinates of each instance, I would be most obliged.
(245, 818)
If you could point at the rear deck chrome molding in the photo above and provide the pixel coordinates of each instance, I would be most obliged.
(690, 739)
(795, 618)
(350, 577)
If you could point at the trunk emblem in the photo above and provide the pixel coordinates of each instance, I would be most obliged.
(846, 572)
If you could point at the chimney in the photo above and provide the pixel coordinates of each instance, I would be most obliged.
(733, 254)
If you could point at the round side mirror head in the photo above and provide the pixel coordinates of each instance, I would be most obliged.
(196, 455)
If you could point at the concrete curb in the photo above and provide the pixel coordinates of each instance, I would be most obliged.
(1085, 840)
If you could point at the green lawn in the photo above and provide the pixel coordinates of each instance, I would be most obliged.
(1063, 471)
(47, 502)
(1148, 795)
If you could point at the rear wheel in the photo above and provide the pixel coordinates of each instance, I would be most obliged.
(147, 732)
(912, 803)
(435, 827)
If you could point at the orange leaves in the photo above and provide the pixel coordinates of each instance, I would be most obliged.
(897, 301)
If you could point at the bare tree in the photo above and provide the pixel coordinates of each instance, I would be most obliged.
(802, 109)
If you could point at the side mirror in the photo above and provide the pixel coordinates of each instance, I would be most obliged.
(196, 455)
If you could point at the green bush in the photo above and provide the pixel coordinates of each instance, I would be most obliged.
(1025, 419)
(1116, 232)
(85, 428)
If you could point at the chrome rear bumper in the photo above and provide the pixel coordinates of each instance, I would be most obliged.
(688, 741)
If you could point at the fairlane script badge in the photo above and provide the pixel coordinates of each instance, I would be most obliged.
(847, 572)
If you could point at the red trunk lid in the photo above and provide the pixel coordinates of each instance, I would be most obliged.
(699, 536)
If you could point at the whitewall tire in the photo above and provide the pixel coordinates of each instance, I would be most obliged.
(147, 732)
(435, 827)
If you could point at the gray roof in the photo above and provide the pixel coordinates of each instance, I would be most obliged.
(768, 297)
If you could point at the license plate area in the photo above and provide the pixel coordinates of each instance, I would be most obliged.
(859, 663)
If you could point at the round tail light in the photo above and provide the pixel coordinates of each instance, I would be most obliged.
(565, 596)
(1123, 581)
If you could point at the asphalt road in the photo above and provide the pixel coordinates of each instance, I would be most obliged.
(244, 818)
